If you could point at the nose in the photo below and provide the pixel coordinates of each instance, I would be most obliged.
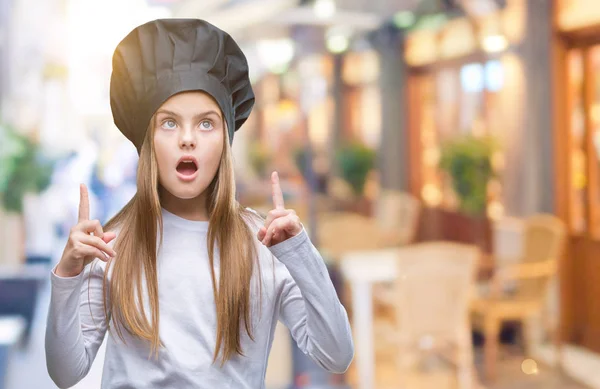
(187, 138)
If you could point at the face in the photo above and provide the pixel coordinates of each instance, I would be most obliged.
(188, 142)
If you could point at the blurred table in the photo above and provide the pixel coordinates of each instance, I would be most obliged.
(19, 288)
(11, 331)
(35, 271)
(362, 269)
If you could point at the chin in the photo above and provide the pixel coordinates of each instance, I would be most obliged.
(185, 192)
(189, 195)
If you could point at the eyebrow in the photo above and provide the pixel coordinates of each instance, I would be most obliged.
(176, 115)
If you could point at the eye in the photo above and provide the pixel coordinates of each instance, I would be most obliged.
(169, 124)
(206, 125)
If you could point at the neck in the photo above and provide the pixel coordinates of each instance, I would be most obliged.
(190, 209)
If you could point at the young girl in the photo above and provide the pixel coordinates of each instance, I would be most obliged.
(189, 283)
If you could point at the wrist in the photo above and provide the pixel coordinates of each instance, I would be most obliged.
(67, 271)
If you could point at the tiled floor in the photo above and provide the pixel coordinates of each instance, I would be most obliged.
(28, 370)
(440, 375)
(512, 377)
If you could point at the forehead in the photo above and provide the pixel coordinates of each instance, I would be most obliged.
(191, 103)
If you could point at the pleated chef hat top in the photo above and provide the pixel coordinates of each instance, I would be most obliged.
(167, 56)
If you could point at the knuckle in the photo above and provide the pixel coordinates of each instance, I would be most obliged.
(77, 251)
(73, 239)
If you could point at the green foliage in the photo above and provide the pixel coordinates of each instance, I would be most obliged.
(260, 158)
(467, 160)
(300, 156)
(355, 161)
(23, 169)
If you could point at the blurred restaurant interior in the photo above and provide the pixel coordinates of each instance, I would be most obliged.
(444, 156)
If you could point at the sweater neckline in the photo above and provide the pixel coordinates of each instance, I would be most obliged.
(180, 222)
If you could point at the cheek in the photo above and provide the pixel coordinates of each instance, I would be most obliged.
(210, 162)
(161, 153)
(211, 155)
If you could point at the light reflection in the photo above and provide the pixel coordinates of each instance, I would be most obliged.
(529, 367)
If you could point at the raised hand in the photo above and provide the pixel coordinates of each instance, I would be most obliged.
(86, 241)
(281, 223)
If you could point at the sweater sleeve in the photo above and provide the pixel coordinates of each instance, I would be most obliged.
(75, 325)
(310, 307)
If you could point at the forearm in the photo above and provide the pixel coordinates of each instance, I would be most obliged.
(322, 328)
(68, 359)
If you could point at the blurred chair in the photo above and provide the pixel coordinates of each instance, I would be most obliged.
(338, 189)
(279, 374)
(508, 236)
(395, 222)
(508, 240)
(397, 214)
(432, 293)
(529, 280)
(341, 232)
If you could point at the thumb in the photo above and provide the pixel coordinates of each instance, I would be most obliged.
(108, 236)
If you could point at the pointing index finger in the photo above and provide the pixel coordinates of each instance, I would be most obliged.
(84, 203)
(277, 194)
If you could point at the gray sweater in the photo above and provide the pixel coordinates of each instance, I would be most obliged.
(296, 289)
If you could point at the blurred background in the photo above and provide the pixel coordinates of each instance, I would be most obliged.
(443, 155)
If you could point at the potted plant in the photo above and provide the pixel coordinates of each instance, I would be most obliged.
(23, 170)
(300, 155)
(467, 161)
(260, 158)
(355, 161)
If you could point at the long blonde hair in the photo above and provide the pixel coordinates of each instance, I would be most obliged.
(136, 247)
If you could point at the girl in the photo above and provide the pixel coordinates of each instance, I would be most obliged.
(189, 284)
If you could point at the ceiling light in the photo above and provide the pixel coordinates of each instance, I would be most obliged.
(494, 43)
(276, 54)
(337, 39)
(324, 9)
(337, 43)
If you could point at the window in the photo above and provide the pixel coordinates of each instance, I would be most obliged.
(454, 101)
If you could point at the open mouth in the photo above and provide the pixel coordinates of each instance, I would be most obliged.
(187, 167)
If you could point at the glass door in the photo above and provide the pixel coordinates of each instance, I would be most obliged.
(577, 142)
(584, 140)
(593, 123)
